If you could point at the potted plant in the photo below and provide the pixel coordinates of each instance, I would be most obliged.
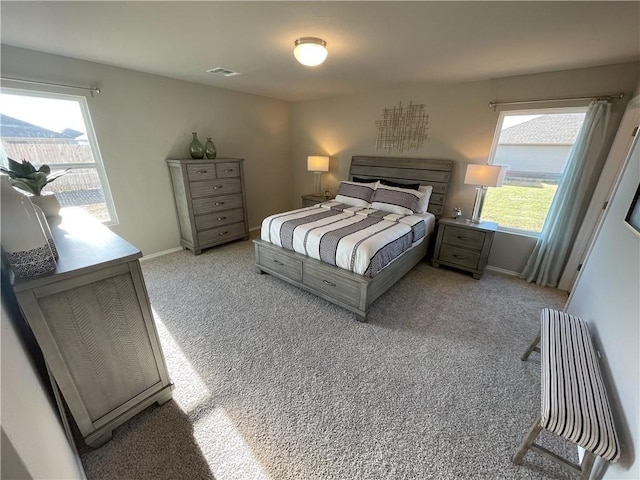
(26, 177)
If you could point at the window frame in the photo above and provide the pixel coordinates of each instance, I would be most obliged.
(496, 138)
(91, 138)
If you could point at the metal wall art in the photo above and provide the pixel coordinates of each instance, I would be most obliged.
(402, 128)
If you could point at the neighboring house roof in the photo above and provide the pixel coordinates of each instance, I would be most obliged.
(13, 128)
(556, 129)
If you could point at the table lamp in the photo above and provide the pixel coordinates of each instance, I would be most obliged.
(317, 164)
(483, 176)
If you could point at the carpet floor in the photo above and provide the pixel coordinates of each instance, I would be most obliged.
(272, 382)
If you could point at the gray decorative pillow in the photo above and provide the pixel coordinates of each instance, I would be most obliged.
(356, 194)
(396, 200)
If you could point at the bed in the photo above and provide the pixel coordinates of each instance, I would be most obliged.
(349, 278)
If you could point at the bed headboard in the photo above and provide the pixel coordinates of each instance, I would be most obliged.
(427, 171)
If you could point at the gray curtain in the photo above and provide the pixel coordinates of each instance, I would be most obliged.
(584, 165)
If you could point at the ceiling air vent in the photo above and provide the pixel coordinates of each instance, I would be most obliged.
(223, 72)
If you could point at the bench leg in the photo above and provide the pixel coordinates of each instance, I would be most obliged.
(587, 465)
(533, 433)
(532, 347)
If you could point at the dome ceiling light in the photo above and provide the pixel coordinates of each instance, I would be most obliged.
(310, 51)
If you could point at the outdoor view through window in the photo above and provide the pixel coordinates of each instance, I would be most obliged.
(55, 130)
(536, 146)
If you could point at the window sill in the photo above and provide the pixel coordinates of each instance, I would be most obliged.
(520, 233)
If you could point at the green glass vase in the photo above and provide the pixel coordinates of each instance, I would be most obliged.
(210, 149)
(196, 150)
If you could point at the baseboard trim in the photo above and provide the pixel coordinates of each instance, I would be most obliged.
(502, 270)
(160, 254)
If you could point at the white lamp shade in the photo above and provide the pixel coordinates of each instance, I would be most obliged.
(485, 175)
(317, 163)
(310, 51)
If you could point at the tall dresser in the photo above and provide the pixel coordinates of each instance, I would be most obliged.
(93, 322)
(210, 201)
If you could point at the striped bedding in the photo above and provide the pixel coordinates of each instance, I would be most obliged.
(361, 240)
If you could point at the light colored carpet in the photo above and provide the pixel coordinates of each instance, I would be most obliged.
(275, 383)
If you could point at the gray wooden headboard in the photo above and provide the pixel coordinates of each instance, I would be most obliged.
(426, 171)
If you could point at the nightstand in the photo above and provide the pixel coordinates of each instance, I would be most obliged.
(312, 199)
(464, 245)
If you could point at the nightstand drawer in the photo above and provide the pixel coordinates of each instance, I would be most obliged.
(211, 220)
(215, 187)
(287, 266)
(221, 233)
(459, 256)
(201, 172)
(215, 204)
(463, 237)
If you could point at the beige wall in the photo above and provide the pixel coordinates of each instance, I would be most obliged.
(461, 128)
(606, 295)
(141, 119)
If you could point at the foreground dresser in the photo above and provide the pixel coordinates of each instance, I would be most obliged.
(92, 320)
(210, 201)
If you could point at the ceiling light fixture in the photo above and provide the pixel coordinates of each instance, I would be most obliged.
(310, 51)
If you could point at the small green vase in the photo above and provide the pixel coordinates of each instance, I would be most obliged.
(210, 149)
(196, 150)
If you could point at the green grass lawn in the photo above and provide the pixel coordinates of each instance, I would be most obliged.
(521, 207)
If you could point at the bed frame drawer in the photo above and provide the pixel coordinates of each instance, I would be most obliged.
(323, 279)
(462, 237)
(276, 262)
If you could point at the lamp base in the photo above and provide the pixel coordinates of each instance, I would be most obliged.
(318, 184)
(477, 206)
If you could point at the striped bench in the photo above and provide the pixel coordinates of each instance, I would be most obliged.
(573, 399)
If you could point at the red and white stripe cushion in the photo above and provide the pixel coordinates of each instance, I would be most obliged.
(574, 400)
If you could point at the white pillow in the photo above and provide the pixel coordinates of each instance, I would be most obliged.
(356, 194)
(423, 203)
(396, 200)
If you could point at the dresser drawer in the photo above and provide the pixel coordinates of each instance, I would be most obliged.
(459, 256)
(323, 279)
(201, 172)
(279, 263)
(220, 234)
(226, 170)
(215, 187)
(463, 237)
(217, 219)
(216, 204)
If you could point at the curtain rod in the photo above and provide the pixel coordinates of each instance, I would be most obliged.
(91, 89)
(609, 98)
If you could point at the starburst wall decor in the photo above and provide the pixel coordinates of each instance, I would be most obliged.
(402, 128)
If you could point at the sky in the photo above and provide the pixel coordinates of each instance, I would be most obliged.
(51, 113)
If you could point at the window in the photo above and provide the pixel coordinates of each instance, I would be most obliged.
(56, 130)
(535, 144)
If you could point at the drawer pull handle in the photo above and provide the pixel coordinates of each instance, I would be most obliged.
(198, 172)
(222, 233)
(327, 282)
(278, 263)
(228, 170)
(219, 203)
(462, 238)
(461, 257)
(217, 187)
(222, 218)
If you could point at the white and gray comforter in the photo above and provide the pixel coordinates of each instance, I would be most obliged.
(361, 240)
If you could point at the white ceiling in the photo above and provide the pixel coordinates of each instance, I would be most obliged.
(372, 45)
